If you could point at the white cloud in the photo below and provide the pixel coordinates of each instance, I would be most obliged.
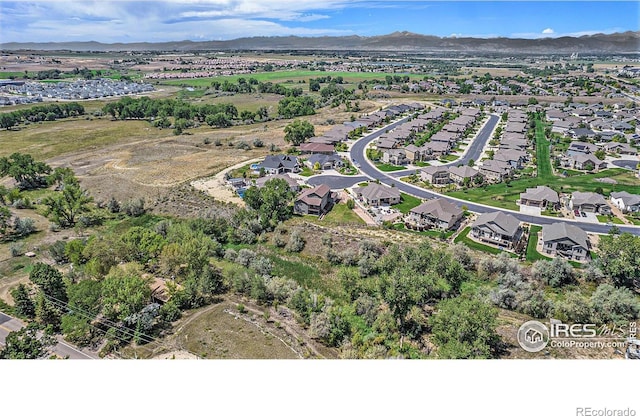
(548, 31)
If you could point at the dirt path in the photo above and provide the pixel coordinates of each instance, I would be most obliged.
(216, 186)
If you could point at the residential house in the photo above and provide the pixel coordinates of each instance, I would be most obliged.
(435, 213)
(275, 164)
(515, 158)
(314, 201)
(395, 157)
(497, 228)
(582, 161)
(582, 132)
(293, 184)
(435, 175)
(589, 202)
(620, 148)
(541, 196)
(458, 174)
(495, 170)
(433, 150)
(324, 161)
(565, 240)
(375, 194)
(625, 201)
(308, 148)
(581, 147)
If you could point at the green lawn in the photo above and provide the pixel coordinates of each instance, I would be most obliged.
(408, 202)
(340, 214)
(385, 167)
(609, 218)
(504, 196)
(462, 238)
(450, 158)
(532, 253)
(306, 171)
(542, 152)
(422, 164)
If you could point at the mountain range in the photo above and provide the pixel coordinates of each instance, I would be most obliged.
(404, 42)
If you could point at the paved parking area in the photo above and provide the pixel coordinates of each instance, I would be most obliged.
(525, 209)
(335, 181)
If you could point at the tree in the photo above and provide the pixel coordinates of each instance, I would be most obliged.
(218, 120)
(124, 292)
(471, 163)
(25, 345)
(49, 280)
(25, 170)
(65, 206)
(271, 202)
(620, 258)
(298, 131)
(557, 272)
(5, 217)
(61, 176)
(7, 120)
(23, 305)
(465, 328)
(614, 305)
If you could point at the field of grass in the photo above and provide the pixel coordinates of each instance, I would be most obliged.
(542, 152)
(385, 167)
(532, 253)
(450, 158)
(283, 76)
(340, 214)
(504, 196)
(307, 171)
(408, 202)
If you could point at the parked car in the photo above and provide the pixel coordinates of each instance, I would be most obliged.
(584, 215)
(576, 212)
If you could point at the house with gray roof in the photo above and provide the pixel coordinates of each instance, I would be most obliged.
(497, 228)
(589, 202)
(581, 161)
(395, 157)
(541, 196)
(375, 194)
(565, 240)
(324, 161)
(581, 147)
(435, 213)
(458, 174)
(274, 164)
(625, 201)
(495, 170)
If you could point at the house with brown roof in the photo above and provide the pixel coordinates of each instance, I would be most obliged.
(435, 175)
(322, 148)
(293, 184)
(314, 201)
(435, 213)
(495, 170)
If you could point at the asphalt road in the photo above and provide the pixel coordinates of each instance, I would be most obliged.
(368, 169)
(10, 324)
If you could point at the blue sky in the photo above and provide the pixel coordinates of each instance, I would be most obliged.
(157, 21)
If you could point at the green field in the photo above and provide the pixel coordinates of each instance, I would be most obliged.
(284, 76)
(408, 202)
(340, 214)
(462, 238)
(542, 152)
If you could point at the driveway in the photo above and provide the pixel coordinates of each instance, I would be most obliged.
(526, 209)
(335, 181)
(625, 163)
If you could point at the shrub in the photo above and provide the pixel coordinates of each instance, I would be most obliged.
(243, 145)
(113, 206)
(296, 242)
(351, 204)
(23, 226)
(245, 257)
(57, 252)
(134, 207)
(258, 143)
(556, 273)
(230, 255)
(16, 249)
(614, 305)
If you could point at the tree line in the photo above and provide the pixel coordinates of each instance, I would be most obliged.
(48, 112)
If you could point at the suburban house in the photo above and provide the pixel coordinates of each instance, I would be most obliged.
(458, 174)
(497, 228)
(515, 158)
(315, 201)
(435, 175)
(293, 184)
(495, 170)
(589, 202)
(625, 201)
(306, 148)
(583, 161)
(620, 148)
(581, 147)
(325, 161)
(565, 240)
(435, 213)
(375, 194)
(541, 196)
(274, 164)
(395, 157)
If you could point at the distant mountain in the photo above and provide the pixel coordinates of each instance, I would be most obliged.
(627, 42)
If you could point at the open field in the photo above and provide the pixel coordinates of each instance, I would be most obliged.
(543, 157)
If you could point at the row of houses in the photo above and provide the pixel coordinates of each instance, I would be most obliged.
(77, 90)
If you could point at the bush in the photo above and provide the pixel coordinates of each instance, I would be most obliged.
(556, 273)
(230, 255)
(243, 145)
(113, 206)
(134, 207)
(261, 265)
(296, 242)
(23, 226)
(245, 257)
(57, 252)
(169, 312)
(258, 143)
(351, 204)
(611, 305)
(16, 249)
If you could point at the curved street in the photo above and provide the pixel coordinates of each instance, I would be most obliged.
(357, 153)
